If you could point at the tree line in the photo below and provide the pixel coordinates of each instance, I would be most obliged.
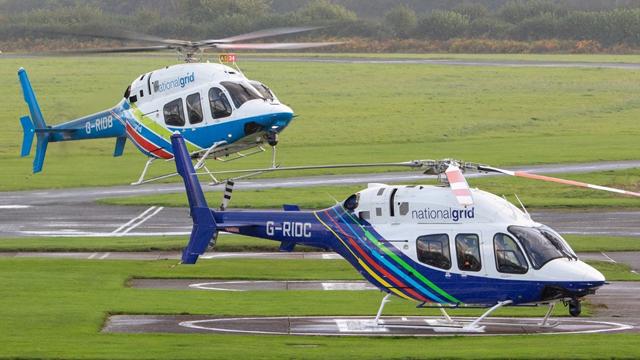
(609, 23)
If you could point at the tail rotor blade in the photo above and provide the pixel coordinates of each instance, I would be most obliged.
(459, 185)
(524, 174)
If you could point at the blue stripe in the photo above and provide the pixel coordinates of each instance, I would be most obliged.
(388, 264)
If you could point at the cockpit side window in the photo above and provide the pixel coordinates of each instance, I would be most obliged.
(468, 252)
(220, 106)
(537, 246)
(434, 250)
(263, 90)
(194, 108)
(174, 113)
(509, 257)
(240, 93)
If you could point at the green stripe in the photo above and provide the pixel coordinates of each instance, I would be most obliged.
(402, 262)
(159, 129)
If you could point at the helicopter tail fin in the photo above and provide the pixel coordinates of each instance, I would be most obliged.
(33, 125)
(204, 229)
(103, 124)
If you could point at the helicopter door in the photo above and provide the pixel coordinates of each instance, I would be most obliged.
(194, 109)
(469, 260)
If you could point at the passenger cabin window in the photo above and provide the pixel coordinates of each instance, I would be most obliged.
(434, 250)
(174, 113)
(509, 257)
(194, 108)
(240, 93)
(219, 103)
(468, 251)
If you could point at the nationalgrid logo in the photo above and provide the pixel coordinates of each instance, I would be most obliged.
(454, 215)
(173, 84)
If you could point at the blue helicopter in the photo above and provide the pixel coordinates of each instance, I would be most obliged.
(219, 111)
(441, 246)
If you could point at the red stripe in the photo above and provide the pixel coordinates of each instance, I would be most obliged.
(398, 284)
(147, 145)
(371, 262)
(455, 176)
(462, 192)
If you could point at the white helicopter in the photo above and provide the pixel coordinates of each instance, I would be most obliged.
(442, 246)
(219, 111)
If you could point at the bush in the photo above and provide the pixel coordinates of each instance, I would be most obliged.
(443, 25)
(402, 20)
(516, 11)
(543, 26)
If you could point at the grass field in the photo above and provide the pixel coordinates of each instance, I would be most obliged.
(351, 113)
(242, 243)
(56, 308)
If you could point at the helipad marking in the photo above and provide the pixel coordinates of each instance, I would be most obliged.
(325, 285)
(354, 325)
(346, 327)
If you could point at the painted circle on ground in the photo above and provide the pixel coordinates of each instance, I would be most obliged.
(397, 326)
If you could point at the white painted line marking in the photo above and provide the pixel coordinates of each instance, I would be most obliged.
(9, 207)
(607, 256)
(137, 221)
(101, 234)
(92, 255)
(133, 220)
(104, 256)
(349, 327)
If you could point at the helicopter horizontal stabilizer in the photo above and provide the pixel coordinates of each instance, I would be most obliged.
(205, 230)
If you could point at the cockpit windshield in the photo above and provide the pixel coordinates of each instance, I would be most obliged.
(263, 90)
(541, 244)
(557, 240)
(240, 93)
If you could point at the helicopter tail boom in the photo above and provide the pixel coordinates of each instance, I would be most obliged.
(95, 126)
(204, 229)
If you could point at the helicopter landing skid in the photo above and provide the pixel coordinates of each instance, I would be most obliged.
(449, 324)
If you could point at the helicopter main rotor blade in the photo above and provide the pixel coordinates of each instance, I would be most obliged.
(122, 35)
(114, 50)
(459, 185)
(274, 46)
(410, 164)
(527, 175)
(260, 34)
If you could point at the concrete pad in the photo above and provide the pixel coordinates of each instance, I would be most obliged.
(248, 285)
(353, 325)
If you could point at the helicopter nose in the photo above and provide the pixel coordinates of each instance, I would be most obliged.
(591, 274)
